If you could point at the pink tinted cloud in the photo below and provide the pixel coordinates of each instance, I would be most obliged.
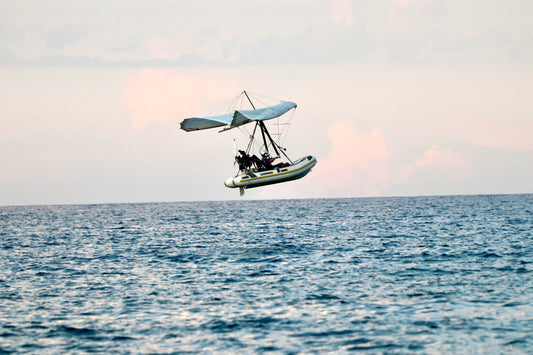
(366, 163)
(437, 163)
(358, 162)
(342, 13)
(440, 158)
(158, 95)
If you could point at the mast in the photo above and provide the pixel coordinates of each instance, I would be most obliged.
(248, 97)
(262, 126)
(263, 130)
(265, 134)
(252, 136)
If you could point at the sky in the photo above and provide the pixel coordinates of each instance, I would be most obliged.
(395, 97)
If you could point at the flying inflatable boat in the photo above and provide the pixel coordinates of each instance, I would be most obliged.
(254, 170)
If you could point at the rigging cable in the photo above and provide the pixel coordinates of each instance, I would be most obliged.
(280, 131)
(285, 131)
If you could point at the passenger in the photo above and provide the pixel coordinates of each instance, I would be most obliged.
(268, 160)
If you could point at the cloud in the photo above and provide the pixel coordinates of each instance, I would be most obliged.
(367, 163)
(436, 164)
(163, 48)
(342, 14)
(358, 162)
(158, 95)
(324, 32)
(437, 157)
(65, 36)
(402, 2)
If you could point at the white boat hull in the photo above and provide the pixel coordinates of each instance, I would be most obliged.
(297, 170)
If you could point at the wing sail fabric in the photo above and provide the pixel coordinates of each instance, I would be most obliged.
(238, 118)
(197, 123)
(241, 117)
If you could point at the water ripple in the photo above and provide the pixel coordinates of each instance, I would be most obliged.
(381, 275)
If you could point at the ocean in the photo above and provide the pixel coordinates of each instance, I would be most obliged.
(450, 274)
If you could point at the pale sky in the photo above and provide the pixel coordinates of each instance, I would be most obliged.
(395, 98)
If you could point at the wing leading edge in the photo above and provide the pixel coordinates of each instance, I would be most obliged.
(238, 118)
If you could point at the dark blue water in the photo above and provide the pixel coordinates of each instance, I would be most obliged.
(380, 275)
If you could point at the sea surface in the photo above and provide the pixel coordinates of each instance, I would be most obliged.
(424, 275)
